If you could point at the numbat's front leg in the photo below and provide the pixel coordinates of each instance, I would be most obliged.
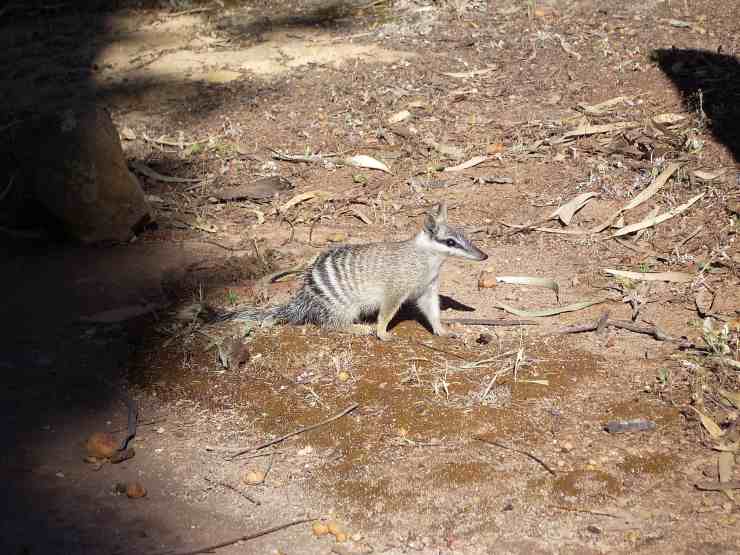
(387, 311)
(428, 305)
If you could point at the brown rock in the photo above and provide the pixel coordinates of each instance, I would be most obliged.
(135, 490)
(73, 164)
(487, 280)
(101, 445)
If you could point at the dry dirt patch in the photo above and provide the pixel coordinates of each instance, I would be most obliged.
(176, 51)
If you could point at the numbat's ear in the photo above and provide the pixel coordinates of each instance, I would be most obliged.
(435, 218)
(442, 212)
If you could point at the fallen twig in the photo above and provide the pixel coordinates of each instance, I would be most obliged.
(634, 425)
(150, 173)
(133, 420)
(234, 489)
(525, 453)
(349, 409)
(438, 350)
(189, 12)
(653, 331)
(717, 486)
(487, 322)
(566, 47)
(585, 511)
(179, 144)
(248, 537)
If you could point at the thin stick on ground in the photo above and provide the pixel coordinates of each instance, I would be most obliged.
(585, 511)
(653, 331)
(349, 409)
(248, 537)
(234, 489)
(486, 322)
(525, 453)
(438, 350)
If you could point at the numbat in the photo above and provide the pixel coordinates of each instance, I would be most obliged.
(350, 282)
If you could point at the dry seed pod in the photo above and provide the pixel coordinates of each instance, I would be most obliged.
(135, 490)
(254, 477)
(319, 529)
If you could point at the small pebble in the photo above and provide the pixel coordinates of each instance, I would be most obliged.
(484, 339)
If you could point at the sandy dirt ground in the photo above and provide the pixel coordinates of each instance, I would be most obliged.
(491, 440)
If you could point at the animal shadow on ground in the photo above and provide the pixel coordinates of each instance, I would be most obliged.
(709, 83)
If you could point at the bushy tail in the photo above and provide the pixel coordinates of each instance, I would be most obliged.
(250, 313)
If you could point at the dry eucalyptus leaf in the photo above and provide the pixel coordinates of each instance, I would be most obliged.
(549, 311)
(731, 396)
(709, 175)
(588, 129)
(302, 198)
(603, 107)
(650, 222)
(451, 151)
(669, 118)
(469, 164)
(709, 425)
(529, 280)
(365, 161)
(704, 300)
(398, 117)
(725, 462)
(128, 134)
(566, 211)
(653, 188)
(674, 277)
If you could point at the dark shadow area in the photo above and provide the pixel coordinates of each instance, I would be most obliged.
(709, 83)
(62, 377)
(409, 311)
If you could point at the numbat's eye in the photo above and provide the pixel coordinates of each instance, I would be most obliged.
(451, 243)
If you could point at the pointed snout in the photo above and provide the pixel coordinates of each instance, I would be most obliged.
(477, 254)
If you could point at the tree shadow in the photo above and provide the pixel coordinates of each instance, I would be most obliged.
(59, 377)
(709, 83)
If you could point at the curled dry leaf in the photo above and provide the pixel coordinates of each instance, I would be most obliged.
(254, 477)
(731, 396)
(588, 129)
(603, 107)
(398, 117)
(302, 198)
(653, 188)
(319, 529)
(365, 161)
(709, 175)
(725, 462)
(566, 212)
(469, 164)
(260, 215)
(669, 118)
(650, 222)
(529, 280)
(451, 151)
(709, 425)
(549, 311)
(361, 215)
(674, 277)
